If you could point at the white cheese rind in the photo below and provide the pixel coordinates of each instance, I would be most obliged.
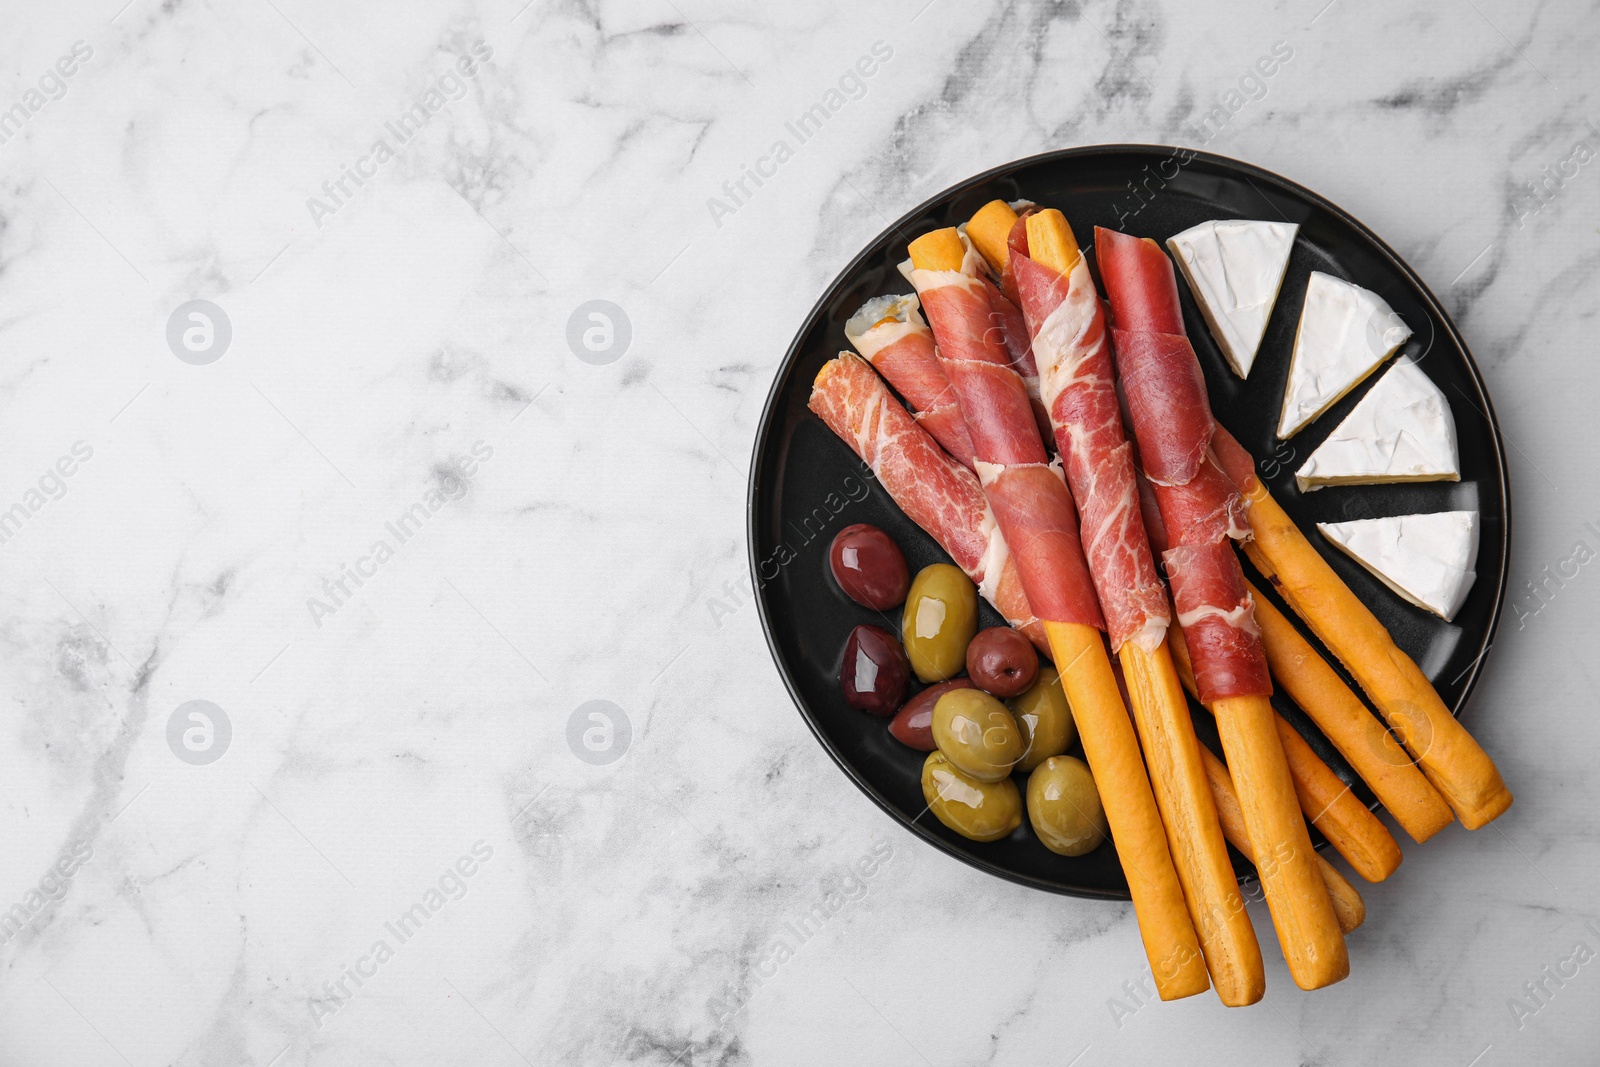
(1345, 333)
(1401, 431)
(1427, 559)
(1235, 268)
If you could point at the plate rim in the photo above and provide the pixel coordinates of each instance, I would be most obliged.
(785, 370)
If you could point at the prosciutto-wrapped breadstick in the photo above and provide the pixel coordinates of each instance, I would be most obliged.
(889, 332)
(990, 230)
(937, 494)
(1073, 352)
(1172, 422)
(1453, 761)
(1348, 825)
(1036, 513)
(1074, 358)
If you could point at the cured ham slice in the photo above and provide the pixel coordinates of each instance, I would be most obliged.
(889, 332)
(936, 493)
(1219, 624)
(1171, 417)
(1140, 284)
(1167, 403)
(1205, 509)
(1073, 353)
(1028, 493)
(1014, 334)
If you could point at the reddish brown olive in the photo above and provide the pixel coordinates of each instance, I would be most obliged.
(875, 672)
(1002, 662)
(912, 725)
(869, 567)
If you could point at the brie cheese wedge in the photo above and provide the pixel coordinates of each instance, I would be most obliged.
(1427, 559)
(1401, 431)
(1346, 332)
(1235, 268)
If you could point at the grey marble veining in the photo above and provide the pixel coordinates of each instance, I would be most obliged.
(402, 535)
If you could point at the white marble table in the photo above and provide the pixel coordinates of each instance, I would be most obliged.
(398, 208)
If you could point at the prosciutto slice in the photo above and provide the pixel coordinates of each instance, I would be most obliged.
(1167, 403)
(1204, 509)
(1140, 284)
(1028, 493)
(1199, 504)
(1215, 594)
(934, 491)
(1073, 352)
(1217, 615)
(1234, 460)
(889, 332)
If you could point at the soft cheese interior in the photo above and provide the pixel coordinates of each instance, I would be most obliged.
(1346, 332)
(1235, 268)
(1427, 559)
(1401, 431)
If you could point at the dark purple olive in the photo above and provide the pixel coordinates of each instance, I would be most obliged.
(1002, 662)
(875, 671)
(912, 725)
(869, 567)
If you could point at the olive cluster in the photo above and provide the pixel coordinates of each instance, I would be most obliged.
(977, 745)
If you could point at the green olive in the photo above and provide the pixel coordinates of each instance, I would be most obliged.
(1045, 719)
(978, 734)
(1064, 806)
(940, 618)
(981, 811)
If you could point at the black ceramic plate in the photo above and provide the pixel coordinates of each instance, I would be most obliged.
(806, 485)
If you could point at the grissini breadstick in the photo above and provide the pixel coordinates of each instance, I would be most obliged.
(1348, 906)
(1035, 513)
(1453, 761)
(990, 232)
(1370, 749)
(1171, 417)
(1193, 829)
(1352, 829)
(1333, 808)
(1067, 327)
